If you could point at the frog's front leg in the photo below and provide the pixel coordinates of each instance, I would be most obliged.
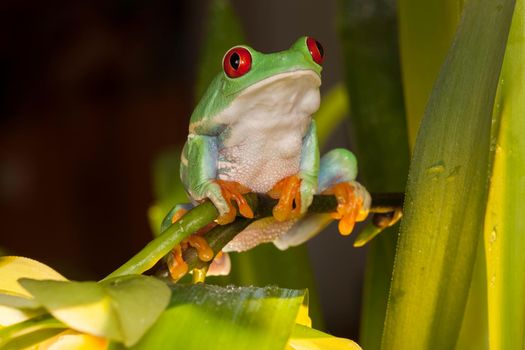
(296, 192)
(337, 177)
(199, 176)
(337, 174)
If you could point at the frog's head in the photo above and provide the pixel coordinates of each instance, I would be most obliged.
(250, 77)
(244, 67)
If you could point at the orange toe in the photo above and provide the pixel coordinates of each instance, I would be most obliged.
(203, 249)
(288, 192)
(176, 264)
(349, 206)
(233, 191)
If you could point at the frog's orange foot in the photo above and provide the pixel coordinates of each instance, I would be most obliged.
(202, 247)
(353, 204)
(288, 192)
(176, 264)
(233, 191)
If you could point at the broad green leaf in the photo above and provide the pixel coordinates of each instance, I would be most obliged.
(426, 30)
(306, 338)
(210, 317)
(120, 309)
(446, 192)
(504, 224)
(474, 327)
(373, 78)
(266, 265)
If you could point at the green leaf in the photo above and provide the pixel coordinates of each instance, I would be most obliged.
(210, 317)
(369, 36)
(266, 265)
(474, 327)
(307, 338)
(120, 309)
(368, 233)
(504, 224)
(426, 30)
(446, 193)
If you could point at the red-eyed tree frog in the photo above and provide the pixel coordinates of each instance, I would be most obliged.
(253, 131)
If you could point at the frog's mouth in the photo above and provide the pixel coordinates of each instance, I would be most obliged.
(288, 94)
(302, 74)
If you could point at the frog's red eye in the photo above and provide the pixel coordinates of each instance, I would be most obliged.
(316, 50)
(237, 62)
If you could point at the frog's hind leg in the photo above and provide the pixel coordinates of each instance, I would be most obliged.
(264, 230)
(176, 264)
(303, 230)
(337, 174)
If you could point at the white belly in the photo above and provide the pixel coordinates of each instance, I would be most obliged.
(265, 127)
(262, 159)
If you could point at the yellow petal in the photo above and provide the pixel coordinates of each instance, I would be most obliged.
(71, 340)
(305, 338)
(330, 343)
(13, 268)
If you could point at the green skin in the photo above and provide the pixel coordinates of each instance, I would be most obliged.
(210, 141)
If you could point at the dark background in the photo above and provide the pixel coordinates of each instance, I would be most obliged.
(91, 92)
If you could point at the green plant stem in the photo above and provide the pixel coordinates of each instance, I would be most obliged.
(205, 213)
(217, 238)
(194, 220)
